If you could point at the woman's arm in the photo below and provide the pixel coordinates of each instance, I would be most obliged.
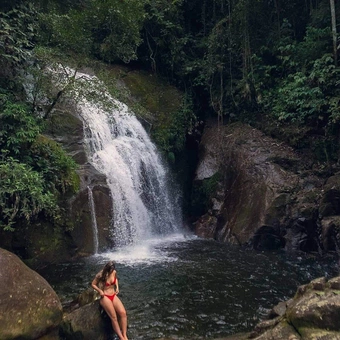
(117, 285)
(94, 285)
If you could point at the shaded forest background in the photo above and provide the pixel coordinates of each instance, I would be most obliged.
(269, 63)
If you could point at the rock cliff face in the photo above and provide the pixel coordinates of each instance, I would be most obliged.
(66, 127)
(264, 194)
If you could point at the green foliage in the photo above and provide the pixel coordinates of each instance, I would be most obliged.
(115, 27)
(106, 29)
(202, 193)
(296, 100)
(294, 55)
(171, 136)
(34, 171)
(18, 128)
(164, 31)
(17, 34)
(22, 194)
(309, 96)
(65, 31)
(56, 167)
(314, 45)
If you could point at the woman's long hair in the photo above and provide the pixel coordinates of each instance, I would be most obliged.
(107, 270)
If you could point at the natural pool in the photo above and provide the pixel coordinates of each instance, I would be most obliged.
(188, 288)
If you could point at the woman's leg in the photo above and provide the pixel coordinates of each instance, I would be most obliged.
(120, 309)
(107, 304)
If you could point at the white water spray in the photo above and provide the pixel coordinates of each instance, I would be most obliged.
(119, 147)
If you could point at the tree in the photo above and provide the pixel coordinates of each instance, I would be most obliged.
(17, 33)
(334, 32)
(108, 30)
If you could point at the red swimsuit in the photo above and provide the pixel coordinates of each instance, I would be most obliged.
(107, 284)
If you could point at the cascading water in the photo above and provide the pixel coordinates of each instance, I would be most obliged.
(119, 147)
(94, 221)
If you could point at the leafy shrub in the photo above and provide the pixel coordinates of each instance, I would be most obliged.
(65, 31)
(18, 127)
(17, 34)
(171, 136)
(56, 167)
(306, 97)
(106, 29)
(34, 171)
(296, 100)
(23, 195)
(202, 194)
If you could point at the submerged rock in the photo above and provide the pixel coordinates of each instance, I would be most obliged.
(29, 307)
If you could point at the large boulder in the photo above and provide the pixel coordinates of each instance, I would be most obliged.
(87, 323)
(260, 192)
(29, 307)
(85, 319)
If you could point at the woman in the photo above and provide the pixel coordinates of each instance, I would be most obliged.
(106, 284)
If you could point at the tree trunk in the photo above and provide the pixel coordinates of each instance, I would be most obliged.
(334, 33)
(277, 7)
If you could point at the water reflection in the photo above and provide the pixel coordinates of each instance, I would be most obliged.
(188, 288)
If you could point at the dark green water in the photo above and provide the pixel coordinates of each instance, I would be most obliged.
(192, 288)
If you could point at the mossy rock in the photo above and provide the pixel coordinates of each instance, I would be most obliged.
(317, 333)
(47, 243)
(316, 310)
(142, 88)
(159, 106)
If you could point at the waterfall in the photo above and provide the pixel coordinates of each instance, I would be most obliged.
(119, 147)
(94, 221)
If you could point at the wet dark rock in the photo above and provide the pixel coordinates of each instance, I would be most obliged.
(330, 201)
(330, 237)
(267, 237)
(80, 214)
(206, 226)
(278, 310)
